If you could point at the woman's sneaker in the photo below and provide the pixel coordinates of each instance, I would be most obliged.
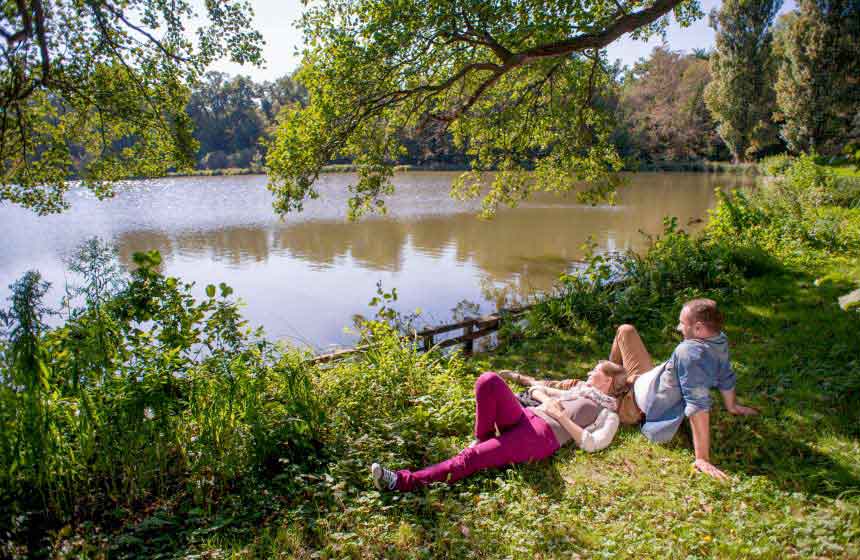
(383, 479)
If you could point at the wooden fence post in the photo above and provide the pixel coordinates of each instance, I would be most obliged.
(469, 343)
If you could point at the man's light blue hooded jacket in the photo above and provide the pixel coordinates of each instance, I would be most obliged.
(682, 387)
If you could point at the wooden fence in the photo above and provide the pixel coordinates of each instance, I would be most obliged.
(473, 328)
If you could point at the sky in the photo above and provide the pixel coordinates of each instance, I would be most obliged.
(275, 19)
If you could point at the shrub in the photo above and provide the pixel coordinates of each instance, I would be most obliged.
(394, 402)
(634, 288)
(846, 192)
(144, 393)
(774, 166)
(801, 219)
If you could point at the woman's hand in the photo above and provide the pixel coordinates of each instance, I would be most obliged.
(554, 408)
(517, 377)
(538, 393)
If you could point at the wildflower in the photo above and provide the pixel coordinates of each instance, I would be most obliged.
(148, 413)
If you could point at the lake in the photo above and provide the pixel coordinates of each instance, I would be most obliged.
(305, 277)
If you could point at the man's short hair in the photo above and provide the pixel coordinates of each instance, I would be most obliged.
(705, 311)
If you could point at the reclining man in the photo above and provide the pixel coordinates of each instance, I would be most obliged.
(661, 396)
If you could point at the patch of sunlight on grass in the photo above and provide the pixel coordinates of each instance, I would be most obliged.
(760, 310)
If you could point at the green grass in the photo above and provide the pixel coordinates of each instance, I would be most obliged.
(846, 170)
(795, 469)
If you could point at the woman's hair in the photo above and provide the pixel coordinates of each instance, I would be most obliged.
(619, 378)
(705, 311)
(619, 385)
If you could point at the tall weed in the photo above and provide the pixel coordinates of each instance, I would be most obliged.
(395, 401)
(776, 165)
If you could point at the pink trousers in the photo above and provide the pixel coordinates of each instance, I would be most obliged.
(524, 437)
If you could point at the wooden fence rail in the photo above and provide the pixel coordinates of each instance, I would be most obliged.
(473, 328)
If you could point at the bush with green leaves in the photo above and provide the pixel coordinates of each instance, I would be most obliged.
(395, 402)
(774, 166)
(846, 192)
(804, 216)
(144, 393)
(630, 288)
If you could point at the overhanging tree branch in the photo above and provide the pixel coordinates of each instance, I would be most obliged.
(625, 24)
(510, 61)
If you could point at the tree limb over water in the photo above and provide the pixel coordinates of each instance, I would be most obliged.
(516, 83)
(97, 89)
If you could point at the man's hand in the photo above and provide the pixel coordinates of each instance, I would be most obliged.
(731, 401)
(707, 468)
(742, 410)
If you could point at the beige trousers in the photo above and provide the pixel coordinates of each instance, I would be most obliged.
(629, 351)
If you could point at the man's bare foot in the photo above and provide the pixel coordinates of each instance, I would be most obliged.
(517, 377)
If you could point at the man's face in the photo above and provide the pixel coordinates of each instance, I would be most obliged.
(685, 324)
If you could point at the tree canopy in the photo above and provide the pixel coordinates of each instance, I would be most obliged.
(232, 117)
(818, 85)
(662, 108)
(97, 89)
(513, 81)
(741, 95)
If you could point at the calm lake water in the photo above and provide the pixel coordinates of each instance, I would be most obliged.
(304, 278)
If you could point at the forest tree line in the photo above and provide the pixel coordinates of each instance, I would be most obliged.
(769, 86)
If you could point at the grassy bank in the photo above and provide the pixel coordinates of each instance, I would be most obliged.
(225, 172)
(697, 166)
(245, 451)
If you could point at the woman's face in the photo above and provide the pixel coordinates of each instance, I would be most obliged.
(600, 380)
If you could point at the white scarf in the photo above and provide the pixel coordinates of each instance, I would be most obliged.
(585, 390)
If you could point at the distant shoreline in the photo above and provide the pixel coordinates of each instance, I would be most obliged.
(670, 167)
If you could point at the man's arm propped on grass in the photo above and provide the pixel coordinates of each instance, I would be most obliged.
(701, 425)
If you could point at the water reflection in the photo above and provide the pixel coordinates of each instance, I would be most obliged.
(538, 241)
(305, 277)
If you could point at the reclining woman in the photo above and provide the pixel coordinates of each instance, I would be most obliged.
(585, 414)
